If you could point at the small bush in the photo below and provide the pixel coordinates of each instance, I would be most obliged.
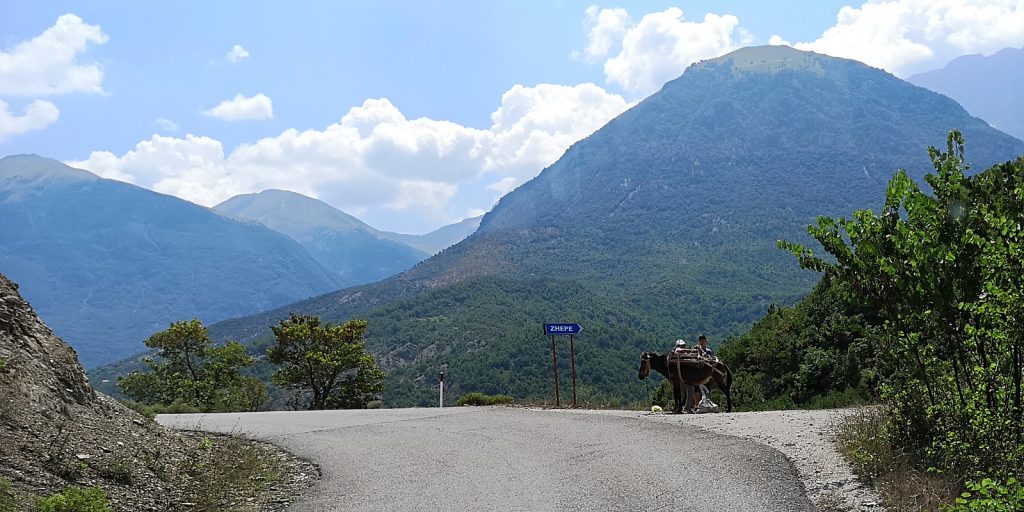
(8, 503)
(477, 398)
(75, 499)
(228, 463)
(3, 364)
(117, 470)
(990, 495)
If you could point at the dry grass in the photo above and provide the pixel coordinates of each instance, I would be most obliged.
(865, 441)
(229, 474)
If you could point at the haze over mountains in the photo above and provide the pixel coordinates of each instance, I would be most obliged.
(106, 263)
(660, 225)
(440, 238)
(343, 244)
(988, 87)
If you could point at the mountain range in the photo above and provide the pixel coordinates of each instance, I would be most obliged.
(107, 263)
(343, 244)
(660, 225)
(987, 86)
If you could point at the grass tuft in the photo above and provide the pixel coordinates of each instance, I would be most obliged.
(477, 398)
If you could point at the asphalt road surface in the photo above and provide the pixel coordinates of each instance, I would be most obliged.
(498, 458)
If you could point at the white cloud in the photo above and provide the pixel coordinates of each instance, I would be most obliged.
(375, 160)
(38, 115)
(910, 36)
(166, 125)
(605, 30)
(659, 47)
(236, 54)
(48, 64)
(241, 108)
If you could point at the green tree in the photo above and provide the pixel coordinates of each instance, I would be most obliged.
(327, 361)
(190, 370)
(945, 271)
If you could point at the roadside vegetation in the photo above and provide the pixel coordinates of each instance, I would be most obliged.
(324, 366)
(477, 398)
(189, 374)
(942, 348)
(327, 365)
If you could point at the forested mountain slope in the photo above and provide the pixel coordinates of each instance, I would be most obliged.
(660, 225)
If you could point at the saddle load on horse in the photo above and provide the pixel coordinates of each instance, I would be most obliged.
(688, 369)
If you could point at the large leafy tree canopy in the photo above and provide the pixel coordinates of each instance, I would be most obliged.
(945, 272)
(328, 362)
(190, 371)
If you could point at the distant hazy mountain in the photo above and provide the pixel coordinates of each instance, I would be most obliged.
(441, 238)
(988, 87)
(660, 225)
(106, 263)
(340, 242)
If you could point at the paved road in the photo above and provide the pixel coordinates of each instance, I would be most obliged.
(504, 459)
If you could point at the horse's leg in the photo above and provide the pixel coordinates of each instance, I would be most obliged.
(677, 398)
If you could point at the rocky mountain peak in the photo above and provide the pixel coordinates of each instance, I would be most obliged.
(39, 370)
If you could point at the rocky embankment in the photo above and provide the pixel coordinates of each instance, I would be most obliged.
(56, 432)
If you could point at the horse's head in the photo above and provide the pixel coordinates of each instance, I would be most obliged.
(645, 365)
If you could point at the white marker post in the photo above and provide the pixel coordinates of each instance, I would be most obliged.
(441, 401)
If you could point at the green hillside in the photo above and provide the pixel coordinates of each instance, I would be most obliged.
(660, 225)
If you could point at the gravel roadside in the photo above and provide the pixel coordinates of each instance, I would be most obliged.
(804, 437)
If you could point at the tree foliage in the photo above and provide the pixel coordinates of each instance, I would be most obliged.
(327, 361)
(818, 353)
(945, 272)
(190, 371)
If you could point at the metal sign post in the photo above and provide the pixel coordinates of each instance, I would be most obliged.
(561, 330)
(572, 360)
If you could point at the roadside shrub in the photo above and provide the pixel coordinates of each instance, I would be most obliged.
(864, 439)
(75, 499)
(990, 495)
(477, 398)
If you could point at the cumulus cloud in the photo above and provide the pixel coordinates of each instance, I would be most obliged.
(910, 36)
(659, 47)
(236, 54)
(375, 159)
(48, 64)
(605, 28)
(37, 115)
(241, 108)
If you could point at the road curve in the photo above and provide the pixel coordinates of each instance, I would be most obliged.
(498, 458)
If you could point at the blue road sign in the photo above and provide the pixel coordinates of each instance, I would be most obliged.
(554, 329)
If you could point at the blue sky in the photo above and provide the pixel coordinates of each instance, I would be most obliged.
(409, 115)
